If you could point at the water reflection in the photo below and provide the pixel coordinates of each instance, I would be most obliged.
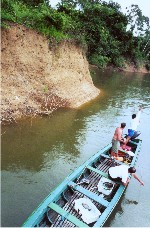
(26, 145)
(39, 153)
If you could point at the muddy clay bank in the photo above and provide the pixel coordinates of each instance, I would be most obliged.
(38, 78)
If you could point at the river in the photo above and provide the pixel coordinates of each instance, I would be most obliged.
(38, 153)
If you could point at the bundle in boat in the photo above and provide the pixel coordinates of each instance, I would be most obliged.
(87, 209)
(105, 186)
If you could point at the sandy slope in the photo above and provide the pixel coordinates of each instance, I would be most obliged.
(38, 77)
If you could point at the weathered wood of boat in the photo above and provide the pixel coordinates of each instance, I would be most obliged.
(61, 207)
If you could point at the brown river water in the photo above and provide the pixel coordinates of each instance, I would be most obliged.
(37, 154)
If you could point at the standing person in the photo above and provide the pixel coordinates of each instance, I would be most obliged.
(133, 125)
(117, 138)
(121, 172)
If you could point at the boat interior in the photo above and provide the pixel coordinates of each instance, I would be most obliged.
(62, 213)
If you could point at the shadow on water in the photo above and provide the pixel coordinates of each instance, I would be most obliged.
(131, 202)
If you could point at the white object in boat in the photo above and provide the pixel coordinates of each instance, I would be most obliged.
(105, 186)
(87, 209)
(131, 153)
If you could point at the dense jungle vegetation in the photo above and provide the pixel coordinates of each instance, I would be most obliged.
(107, 35)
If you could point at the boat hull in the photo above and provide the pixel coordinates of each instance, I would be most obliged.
(57, 210)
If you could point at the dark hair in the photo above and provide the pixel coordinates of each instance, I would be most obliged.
(132, 170)
(123, 125)
(133, 116)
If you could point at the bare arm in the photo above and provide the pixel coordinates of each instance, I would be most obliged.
(137, 178)
(138, 115)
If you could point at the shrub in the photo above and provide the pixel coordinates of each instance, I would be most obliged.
(119, 62)
(97, 26)
(99, 60)
(147, 66)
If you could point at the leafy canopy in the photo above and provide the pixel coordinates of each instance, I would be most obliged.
(100, 27)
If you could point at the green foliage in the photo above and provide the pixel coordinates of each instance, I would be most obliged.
(137, 21)
(99, 27)
(34, 2)
(100, 61)
(148, 66)
(119, 61)
(42, 17)
(4, 25)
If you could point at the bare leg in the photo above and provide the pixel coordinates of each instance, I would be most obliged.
(113, 154)
(119, 158)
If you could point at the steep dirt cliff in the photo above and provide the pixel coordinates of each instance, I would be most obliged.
(38, 77)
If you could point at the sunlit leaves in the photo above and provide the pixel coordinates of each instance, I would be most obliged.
(98, 26)
(137, 21)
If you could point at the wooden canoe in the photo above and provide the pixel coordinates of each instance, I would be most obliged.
(58, 209)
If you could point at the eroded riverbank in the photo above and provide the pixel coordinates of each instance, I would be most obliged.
(39, 77)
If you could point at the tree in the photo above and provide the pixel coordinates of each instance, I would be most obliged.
(137, 21)
(35, 2)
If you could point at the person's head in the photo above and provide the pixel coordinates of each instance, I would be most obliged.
(133, 116)
(123, 125)
(131, 170)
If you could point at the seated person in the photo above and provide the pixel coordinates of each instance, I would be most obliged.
(120, 173)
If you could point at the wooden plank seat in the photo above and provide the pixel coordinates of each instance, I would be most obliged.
(89, 194)
(67, 215)
(98, 171)
(69, 206)
(101, 173)
(108, 157)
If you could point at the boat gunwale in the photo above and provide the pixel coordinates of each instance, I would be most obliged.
(41, 209)
(121, 188)
(39, 212)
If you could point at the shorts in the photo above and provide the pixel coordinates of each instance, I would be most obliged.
(115, 145)
(114, 179)
(130, 132)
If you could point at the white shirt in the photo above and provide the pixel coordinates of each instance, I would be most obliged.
(135, 122)
(119, 171)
